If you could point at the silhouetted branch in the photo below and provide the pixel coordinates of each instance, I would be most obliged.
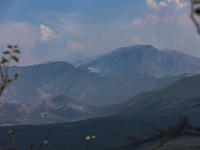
(193, 12)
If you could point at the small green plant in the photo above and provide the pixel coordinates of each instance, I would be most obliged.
(13, 138)
(5, 80)
(89, 140)
(9, 55)
(44, 143)
(5, 64)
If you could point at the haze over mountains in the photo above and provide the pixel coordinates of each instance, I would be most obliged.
(58, 109)
(60, 92)
(179, 95)
(128, 60)
(40, 82)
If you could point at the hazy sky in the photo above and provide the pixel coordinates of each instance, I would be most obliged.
(47, 29)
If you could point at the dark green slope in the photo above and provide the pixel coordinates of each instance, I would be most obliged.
(72, 135)
(110, 132)
(176, 96)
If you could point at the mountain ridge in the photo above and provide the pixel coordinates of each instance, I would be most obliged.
(127, 60)
(176, 96)
(53, 110)
(44, 81)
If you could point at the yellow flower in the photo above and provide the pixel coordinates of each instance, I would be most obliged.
(88, 138)
(93, 136)
(45, 142)
(10, 132)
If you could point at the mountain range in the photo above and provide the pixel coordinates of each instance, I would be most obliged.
(146, 58)
(181, 95)
(54, 110)
(134, 79)
(40, 82)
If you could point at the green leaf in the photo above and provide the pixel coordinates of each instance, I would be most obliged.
(15, 58)
(3, 84)
(197, 11)
(31, 146)
(2, 75)
(3, 61)
(17, 51)
(6, 52)
(2, 87)
(16, 76)
(9, 46)
(16, 46)
(9, 80)
(17, 137)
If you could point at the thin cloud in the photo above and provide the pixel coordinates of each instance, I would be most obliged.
(46, 33)
(21, 33)
(77, 46)
(136, 22)
(132, 24)
(180, 5)
(24, 34)
(153, 4)
(163, 4)
(152, 19)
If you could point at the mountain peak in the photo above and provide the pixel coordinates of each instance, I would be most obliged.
(142, 46)
(134, 48)
(128, 60)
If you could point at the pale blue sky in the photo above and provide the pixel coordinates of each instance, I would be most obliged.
(47, 29)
